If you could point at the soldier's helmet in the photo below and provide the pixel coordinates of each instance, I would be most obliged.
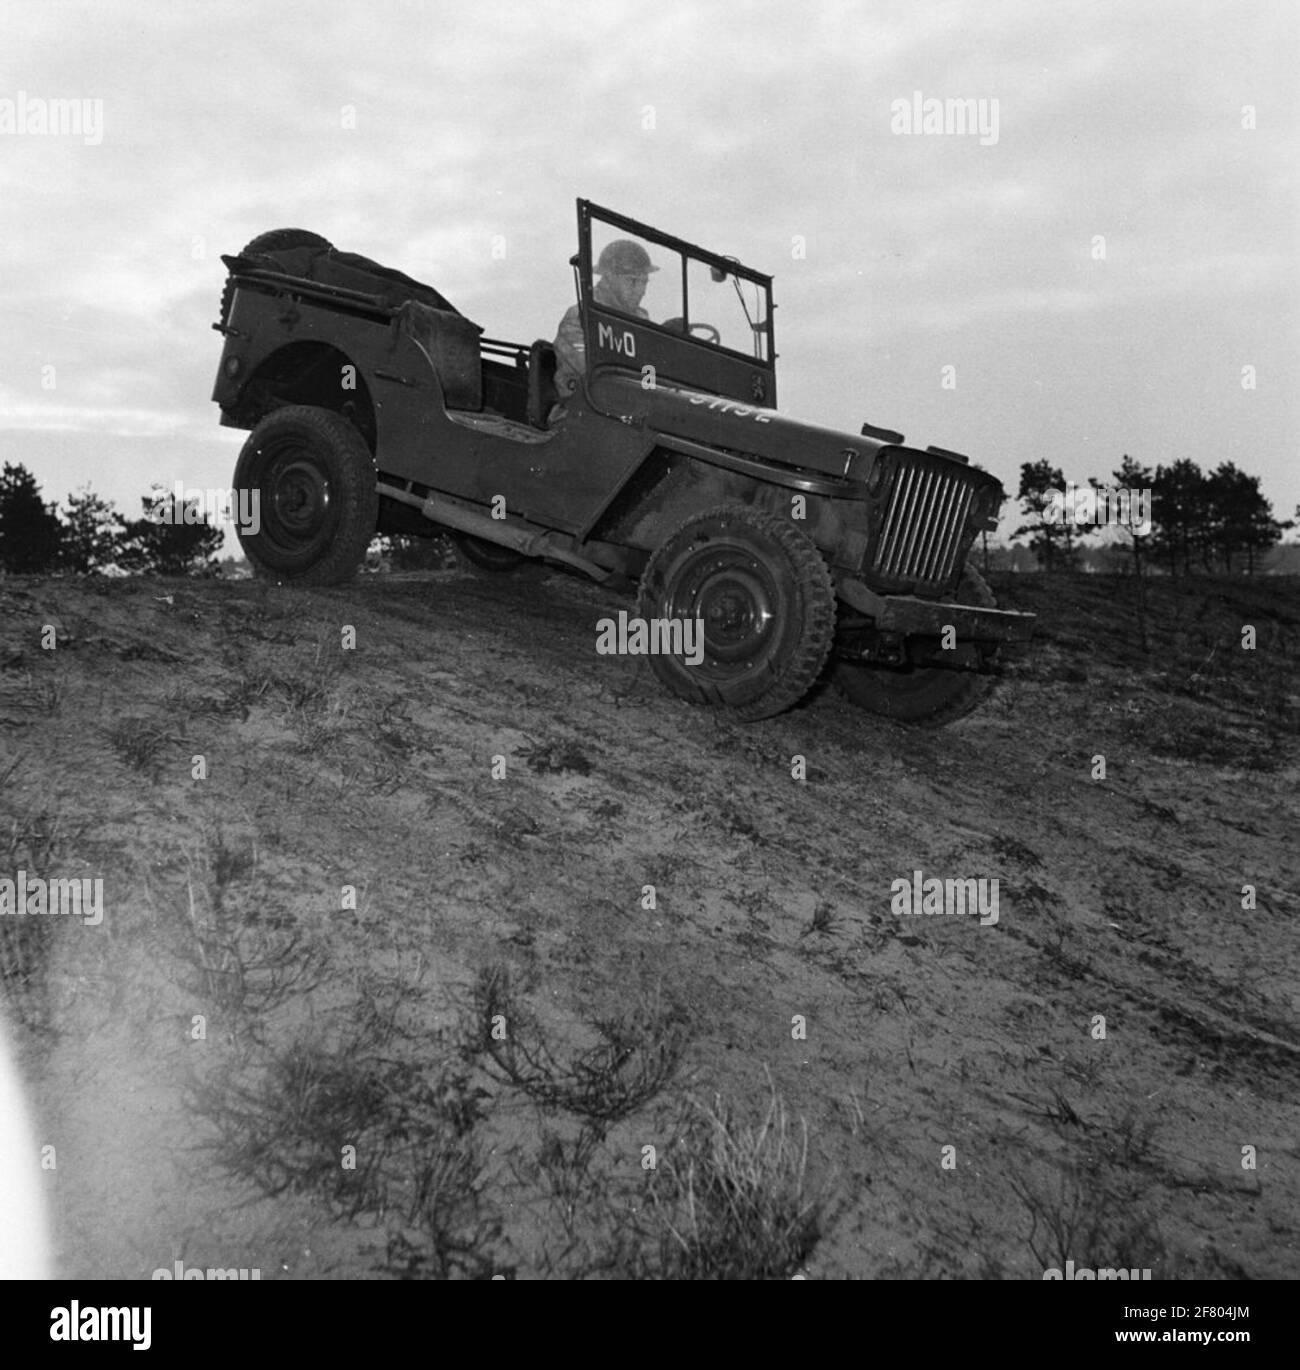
(623, 257)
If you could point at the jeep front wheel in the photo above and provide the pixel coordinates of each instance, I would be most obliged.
(311, 480)
(765, 602)
(927, 695)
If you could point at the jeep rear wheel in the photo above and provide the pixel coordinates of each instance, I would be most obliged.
(927, 695)
(766, 602)
(314, 482)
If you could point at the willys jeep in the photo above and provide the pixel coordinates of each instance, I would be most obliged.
(375, 405)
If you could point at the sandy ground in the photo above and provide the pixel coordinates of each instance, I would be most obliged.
(1108, 1073)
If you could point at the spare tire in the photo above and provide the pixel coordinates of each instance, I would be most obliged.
(285, 240)
(277, 240)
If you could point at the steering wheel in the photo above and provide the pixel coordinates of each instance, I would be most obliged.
(705, 331)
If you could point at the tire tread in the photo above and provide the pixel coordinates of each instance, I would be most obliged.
(357, 494)
(817, 595)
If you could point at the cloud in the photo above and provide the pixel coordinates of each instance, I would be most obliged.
(431, 136)
(115, 420)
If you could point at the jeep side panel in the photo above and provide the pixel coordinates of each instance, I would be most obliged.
(286, 346)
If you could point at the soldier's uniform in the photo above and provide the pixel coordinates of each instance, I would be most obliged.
(571, 344)
(618, 259)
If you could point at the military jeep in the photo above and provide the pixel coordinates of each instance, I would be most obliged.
(375, 405)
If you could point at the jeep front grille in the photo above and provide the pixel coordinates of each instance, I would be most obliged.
(929, 503)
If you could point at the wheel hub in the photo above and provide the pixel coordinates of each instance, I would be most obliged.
(299, 498)
(735, 600)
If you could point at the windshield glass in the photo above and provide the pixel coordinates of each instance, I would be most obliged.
(634, 275)
(725, 305)
(648, 280)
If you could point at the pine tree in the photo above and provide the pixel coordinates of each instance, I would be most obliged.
(170, 540)
(1133, 477)
(29, 528)
(92, 532)
(1052, 539)
(1183, 501)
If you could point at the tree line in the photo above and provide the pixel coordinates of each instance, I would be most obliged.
(88, 534)
(1196, 521)
(1218, 521)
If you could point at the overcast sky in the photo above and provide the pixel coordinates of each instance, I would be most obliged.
(762, 130)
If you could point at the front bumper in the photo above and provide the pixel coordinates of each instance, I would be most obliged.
(907, 616)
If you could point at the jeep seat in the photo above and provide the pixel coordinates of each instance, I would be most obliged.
(542, 393)
(450, 341)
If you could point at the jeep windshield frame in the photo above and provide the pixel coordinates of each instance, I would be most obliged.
(672, 350)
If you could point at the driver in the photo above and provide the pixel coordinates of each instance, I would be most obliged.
(623, 268)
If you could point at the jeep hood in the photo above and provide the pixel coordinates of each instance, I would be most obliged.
(716, 421)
